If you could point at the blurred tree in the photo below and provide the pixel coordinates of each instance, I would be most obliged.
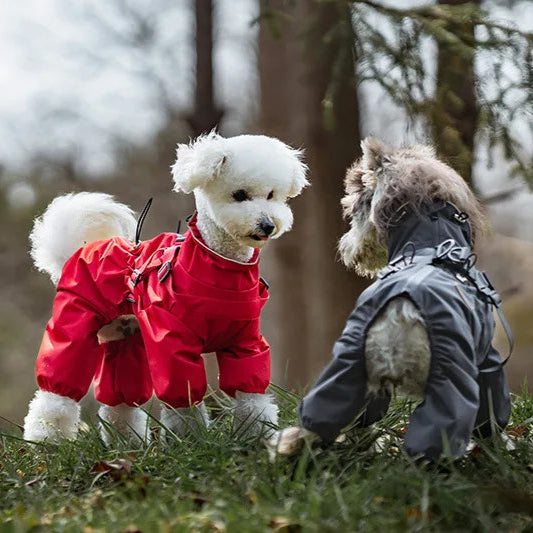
(206, 115)
(455, 112)
(309, 77)
(495, 96)
(309, 98)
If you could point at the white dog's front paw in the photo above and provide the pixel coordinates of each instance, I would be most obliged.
(287, 441)
(255, 414)
(51, 417)
(183, 420)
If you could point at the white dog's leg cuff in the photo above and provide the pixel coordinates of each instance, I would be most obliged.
(184, 420)
(255, 413)
(130, 422)
(51, 417)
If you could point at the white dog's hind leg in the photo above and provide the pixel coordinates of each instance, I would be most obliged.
(254, 414)
(51, 417)
(183, 420)
(130, 422)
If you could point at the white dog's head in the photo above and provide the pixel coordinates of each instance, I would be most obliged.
(242, 183)
(384, 181)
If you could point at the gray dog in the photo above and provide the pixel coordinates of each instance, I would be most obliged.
(425, 327)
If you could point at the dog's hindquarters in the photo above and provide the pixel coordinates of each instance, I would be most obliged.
(397, 350)
(73, 220)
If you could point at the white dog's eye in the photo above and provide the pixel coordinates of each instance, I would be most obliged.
(241, 195)
(270, 195)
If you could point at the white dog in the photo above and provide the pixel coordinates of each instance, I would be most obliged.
(185, 295)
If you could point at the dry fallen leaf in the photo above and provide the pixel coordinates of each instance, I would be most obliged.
(284, 525)
(132, 529)
(118, 469)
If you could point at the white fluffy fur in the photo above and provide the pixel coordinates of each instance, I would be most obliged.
(214, 168)
(254, 414)
(73, 220)
(397, 350)
(129, 422)
(184, 420)
(51, 418)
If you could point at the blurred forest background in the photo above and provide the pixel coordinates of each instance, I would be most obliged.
(95, 95)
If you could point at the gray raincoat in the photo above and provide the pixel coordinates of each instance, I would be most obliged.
(466, 391)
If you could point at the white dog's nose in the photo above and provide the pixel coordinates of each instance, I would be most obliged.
(267, 226)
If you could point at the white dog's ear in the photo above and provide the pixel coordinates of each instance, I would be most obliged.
(299, 179)
(375, 153)
(198, 163)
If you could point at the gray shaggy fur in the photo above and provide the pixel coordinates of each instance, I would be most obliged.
(384, 181)
(397, 350)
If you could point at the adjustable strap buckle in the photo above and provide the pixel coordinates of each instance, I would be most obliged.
(391, 268)
(460, 217)
(135, 277)
(458, 257)
(448, 250)
(489, 291)
(405, 259)
(164, 271)
(394, 266)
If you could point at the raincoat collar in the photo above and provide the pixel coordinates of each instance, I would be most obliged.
(428, 227)
(197, 237)
(212, 271)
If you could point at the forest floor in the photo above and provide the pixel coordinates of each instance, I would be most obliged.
(220, 481)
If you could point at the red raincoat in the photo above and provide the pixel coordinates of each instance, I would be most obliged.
(188, 300)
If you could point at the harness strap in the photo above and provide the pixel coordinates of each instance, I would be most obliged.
(508, 332)
(161, 261)
(141, 220)
(460, 260)
(490, 292)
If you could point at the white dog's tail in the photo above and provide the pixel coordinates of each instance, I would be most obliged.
(73, 220)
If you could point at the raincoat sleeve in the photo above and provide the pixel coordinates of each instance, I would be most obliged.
(245, 365)
(443, 423)
(340, 394)
(495, 399)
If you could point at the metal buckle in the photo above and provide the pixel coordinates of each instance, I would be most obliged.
(444, 248)
(460, 217)
(164, 271)
(458, 255)
(448, 251)
(136, 277)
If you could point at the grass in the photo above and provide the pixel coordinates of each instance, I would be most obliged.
(221, 481)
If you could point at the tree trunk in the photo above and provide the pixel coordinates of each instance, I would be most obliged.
(309, 99)
(456, 111)
(206, 115)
